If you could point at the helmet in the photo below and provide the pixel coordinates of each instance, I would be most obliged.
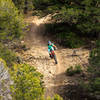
(49, 42)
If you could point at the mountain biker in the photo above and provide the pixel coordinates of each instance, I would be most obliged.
(51, 47)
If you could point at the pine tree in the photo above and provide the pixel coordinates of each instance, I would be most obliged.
(24, 5)
(76, 18)
(11, 23)
(84, 14)
(27, 83)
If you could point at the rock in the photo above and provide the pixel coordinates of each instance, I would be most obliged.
(22, 42)
(19, 59)
(4, 82)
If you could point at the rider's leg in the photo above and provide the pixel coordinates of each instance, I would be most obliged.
(50, 55)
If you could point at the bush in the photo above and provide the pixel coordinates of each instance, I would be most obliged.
(73, 70)
(56, 97)
(70, 71)
(73, 41)
(78, 69)
(27, 83)
(95, 60)
(96, 85)
(7, 55)
(70, 39)
(11, 22)
(95, 68)
(93, 85)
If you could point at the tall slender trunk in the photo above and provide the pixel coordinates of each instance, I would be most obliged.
(26, 8)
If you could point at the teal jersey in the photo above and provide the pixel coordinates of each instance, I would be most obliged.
(50, 47)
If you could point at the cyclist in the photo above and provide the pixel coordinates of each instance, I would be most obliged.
(51, 47)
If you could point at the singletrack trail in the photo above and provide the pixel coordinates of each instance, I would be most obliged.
(37, 55)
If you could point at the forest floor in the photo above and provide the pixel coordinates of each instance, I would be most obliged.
(54, 74)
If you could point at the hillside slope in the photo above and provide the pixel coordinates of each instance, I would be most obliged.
(37, 55)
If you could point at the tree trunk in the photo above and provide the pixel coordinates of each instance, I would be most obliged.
(25, 9)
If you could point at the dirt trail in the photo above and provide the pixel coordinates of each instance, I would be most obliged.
(54, 75)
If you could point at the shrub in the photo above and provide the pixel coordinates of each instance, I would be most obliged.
(70, 71)
(78, 69)
(11, 22)
(27, 83)
(57, 97)
(96, 85)
(93, 85)
(95, 60)
(7, 55)
(94, 69)
(73, 70)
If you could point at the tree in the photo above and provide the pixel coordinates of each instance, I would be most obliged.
(24, 5)
(93, 85)
(80, 17)
(11, 22)
(20, 4)
(27, 83)
(84, 14)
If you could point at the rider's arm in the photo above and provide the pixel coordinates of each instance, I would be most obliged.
(54, 46)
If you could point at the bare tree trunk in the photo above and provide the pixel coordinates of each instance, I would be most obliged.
(25, 9)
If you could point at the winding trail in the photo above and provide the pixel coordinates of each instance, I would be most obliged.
(37, 55)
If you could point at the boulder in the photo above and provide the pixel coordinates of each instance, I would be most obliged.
(5, 82)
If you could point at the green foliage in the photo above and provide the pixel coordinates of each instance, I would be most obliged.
(24, 5)
(73, 70)
(78, 69)
(83, 14)
(93, 86)
(40, 4)
(11, 23)
(70, 71)
(95, 56)
(94, 70)
(20, 4)
(64, 36)
(57, 97)
(82, 18)
(27, 83)
(7, 55)
(96, 85)
(1, 97)
(73, 41)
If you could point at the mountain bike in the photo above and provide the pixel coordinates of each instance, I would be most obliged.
(53, 55)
